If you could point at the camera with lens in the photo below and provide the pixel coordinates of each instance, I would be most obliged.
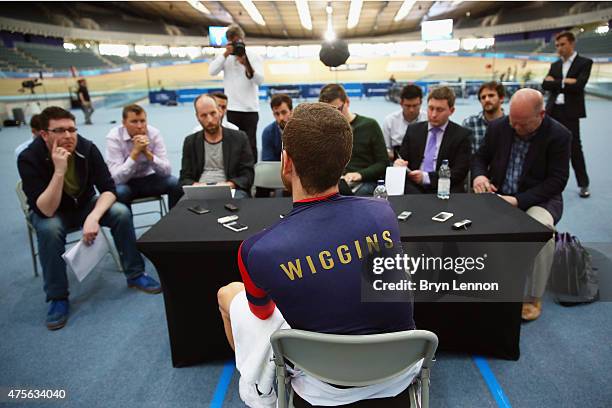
(239, 48)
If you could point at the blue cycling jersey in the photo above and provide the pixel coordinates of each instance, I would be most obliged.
(311, 266)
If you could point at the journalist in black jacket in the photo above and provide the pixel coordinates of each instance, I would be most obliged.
(545, 169)
(455, 148)
(36, 170)
(566, 99)
(525, 160)
(580, 70)
(237, 159)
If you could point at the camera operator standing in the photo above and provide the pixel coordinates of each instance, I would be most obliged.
(85, 100)
(242, 75)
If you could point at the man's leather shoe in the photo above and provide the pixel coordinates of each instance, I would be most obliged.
(144, 283)
(57, 316)
(531, 310)
(584, 192)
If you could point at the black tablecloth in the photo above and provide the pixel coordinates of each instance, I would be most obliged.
(195, 256)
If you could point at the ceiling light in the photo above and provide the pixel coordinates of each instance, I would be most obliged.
(304, 13)
(198, 6)
(249, 6)
(404, 10)
(354, 13)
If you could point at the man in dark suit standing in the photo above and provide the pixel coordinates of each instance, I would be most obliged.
(216, 155)
(427, 144)
(525, 160)
(566, 80)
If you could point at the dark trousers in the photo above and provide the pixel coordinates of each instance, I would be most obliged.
(87, 111)
(247, 122)
(573, 124)
(151, 185)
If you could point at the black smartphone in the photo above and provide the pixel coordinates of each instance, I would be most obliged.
(198, 210)
(231, 207)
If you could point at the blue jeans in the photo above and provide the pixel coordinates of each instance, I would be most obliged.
(51, 235)
(366, 189)
(151, 185)
(240, 194)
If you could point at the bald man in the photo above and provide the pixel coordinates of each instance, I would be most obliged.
(215, 154)
(525, 160)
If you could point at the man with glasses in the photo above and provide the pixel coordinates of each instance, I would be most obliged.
(395, 125)
(369, 156)
(59, 171)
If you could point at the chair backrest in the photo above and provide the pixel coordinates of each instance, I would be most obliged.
(267, 175)
(354, 360)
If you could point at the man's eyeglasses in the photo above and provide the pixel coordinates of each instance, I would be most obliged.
(61, 130)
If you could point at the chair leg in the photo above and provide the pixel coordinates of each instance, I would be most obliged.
(414, 393)
(162, 206)
(281, 390)
(425, 387)
(113, 250)
(33, 252)
(291, 394)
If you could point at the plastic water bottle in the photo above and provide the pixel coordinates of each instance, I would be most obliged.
(380, 191)
(444, 181)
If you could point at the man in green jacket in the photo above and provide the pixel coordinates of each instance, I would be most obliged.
(369, 156)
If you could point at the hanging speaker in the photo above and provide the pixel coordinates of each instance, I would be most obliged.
(334, 53)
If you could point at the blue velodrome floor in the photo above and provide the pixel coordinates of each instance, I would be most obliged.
(115, 352)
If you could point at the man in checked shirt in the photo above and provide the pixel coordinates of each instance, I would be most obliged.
(136, 158)
(491, 96)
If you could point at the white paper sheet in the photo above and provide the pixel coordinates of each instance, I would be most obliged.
(395, 179)
(82, 258)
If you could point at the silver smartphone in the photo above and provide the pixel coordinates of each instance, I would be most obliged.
(235, 226)
(443, 216)
(403, 216)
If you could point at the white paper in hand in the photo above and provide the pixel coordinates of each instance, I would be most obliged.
(82, 258)
(395, 179)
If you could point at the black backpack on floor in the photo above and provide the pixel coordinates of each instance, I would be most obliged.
(573, 279)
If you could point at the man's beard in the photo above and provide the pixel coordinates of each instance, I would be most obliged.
(212, 130)
(282, 125)
(490, 108)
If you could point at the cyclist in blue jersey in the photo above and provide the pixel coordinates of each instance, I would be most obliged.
(307, 269)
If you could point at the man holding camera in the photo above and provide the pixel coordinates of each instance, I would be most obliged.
(242, 75)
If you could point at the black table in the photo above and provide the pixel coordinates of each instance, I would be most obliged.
(195, 256)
